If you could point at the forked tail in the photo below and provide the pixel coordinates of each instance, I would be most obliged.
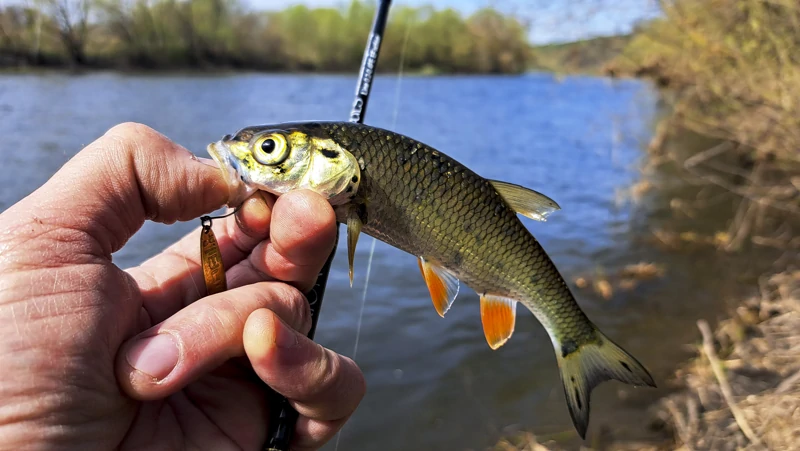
(590, 364)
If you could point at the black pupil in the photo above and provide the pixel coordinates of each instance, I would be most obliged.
(268, 145)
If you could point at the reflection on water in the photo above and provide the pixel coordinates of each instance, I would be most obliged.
(433, 383)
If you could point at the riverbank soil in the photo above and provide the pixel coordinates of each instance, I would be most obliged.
(741, 391)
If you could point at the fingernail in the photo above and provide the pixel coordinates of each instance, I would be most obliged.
(285, 337)
(155, 356)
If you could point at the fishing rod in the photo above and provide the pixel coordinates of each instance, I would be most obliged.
(283, 422)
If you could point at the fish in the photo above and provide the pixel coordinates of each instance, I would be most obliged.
(459, 225)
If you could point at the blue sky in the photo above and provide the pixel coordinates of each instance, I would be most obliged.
(551, 20)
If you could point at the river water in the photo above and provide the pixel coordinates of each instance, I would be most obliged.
(433, 383)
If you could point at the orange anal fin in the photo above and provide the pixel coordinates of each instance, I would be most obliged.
(498, 315)
(442, 285)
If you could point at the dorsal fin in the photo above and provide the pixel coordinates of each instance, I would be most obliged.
(525, 201)
(498, 315)
(442, 285)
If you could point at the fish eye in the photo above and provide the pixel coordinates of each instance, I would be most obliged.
(268, 145)
(271, 149)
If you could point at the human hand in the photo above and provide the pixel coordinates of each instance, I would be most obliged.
(94, 357)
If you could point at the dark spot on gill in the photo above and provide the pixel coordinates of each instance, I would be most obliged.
(355, 179)
(327, 153)
(243, 136)
(349, 189)
(572, 378)
(626, 366)
(568, 347)
(578, 398)
(281, 169)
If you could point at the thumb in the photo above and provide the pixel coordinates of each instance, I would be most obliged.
(130, 174)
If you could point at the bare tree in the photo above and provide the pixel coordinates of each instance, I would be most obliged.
(71, 18)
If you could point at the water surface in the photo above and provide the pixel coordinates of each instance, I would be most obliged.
(433, 383)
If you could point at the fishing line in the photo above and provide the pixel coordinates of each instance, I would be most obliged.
(394, 124)
(205, 221)
(363, 298)
(374, 240)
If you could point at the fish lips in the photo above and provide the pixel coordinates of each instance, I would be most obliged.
(239, 190)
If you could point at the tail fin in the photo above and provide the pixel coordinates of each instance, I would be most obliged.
(586, 365)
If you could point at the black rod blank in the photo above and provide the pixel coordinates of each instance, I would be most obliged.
(283, 421)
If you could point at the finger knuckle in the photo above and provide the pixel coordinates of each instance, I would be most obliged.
(356, 379)
(329, 372)
(131, 129)
(297, 306)
(212, 320)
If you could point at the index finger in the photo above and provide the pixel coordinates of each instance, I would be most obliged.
(129, 175)
(302, 236)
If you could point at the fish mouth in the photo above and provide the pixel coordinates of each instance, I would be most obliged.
(238, 189)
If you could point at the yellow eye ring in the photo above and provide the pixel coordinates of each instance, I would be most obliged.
(271, 149)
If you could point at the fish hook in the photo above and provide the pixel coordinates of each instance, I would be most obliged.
(211, 257)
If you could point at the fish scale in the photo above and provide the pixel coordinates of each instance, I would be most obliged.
(434, 226)
(459, 224)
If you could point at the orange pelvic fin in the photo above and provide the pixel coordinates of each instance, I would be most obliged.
(498, 315)
(442, 285)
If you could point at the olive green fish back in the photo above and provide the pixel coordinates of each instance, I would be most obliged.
(428, 204)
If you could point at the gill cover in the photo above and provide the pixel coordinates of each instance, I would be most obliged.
(279, 160)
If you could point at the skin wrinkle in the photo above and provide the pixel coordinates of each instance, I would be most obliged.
(134, 213)
(195, 276)
(206, 392)
(72, 308)
(221, 431)
(101, 218)
(134, 164)
(242, 269)
(31, 246)
(151, 209)
(237, 237)
(322, 381)
(318, 429)
(184, 399)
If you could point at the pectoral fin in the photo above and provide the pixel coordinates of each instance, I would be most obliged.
(498, 315)
(524, 201)
(353, 230)
(442, 285)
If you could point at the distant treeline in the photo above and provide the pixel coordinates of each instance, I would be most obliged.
(173, 34)
(588, 56)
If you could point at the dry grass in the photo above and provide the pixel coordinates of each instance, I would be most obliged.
(757, 358)
(625, 279)
(732, 69)
(759, 354)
